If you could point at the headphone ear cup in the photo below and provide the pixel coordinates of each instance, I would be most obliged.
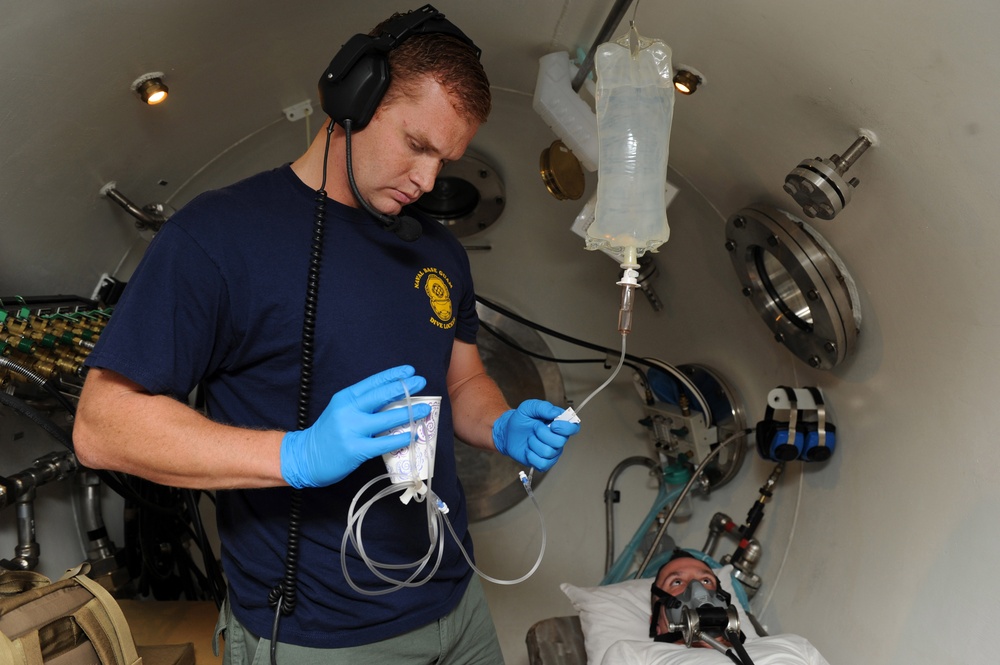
(355, 81)
(813, 452)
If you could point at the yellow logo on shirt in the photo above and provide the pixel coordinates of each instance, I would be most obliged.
(437, 286)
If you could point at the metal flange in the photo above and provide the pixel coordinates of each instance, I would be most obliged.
(797, 284)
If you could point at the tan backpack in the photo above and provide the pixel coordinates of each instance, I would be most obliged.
(72, 621)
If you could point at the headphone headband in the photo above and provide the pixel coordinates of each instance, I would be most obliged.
(424, 21)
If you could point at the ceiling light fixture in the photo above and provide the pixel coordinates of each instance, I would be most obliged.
(687, 79)
(150, 88)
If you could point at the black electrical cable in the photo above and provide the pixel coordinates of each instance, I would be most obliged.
(214, 581)
(566, 338)
(167, 567)
(38, 418)
(517, 347)
(568, 361)
(125, 490)
(283, 596)
(114, 481)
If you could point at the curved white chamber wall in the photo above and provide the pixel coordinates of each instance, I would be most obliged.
(888, 535)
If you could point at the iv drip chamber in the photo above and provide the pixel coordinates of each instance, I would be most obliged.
(634, 103)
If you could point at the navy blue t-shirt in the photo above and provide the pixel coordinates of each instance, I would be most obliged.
(219, 298)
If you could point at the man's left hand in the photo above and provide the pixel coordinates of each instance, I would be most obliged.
(531, 434)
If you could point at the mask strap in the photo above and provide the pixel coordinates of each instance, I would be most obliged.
(662, 601)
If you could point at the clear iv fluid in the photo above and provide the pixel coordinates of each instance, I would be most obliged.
(634, 103)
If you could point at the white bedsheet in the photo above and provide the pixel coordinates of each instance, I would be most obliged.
(770, 650)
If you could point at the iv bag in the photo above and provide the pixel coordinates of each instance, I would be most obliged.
(635, 105)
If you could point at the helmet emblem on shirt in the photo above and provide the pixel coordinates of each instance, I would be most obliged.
(437, 291)
(436, 285)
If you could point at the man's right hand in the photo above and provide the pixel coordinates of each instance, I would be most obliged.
(344, 435)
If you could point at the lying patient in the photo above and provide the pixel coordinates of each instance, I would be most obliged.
(685, 581)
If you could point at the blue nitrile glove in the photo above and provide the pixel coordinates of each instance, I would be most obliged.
(531, 434)
(344, 435)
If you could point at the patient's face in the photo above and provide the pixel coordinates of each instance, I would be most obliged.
(674, 578)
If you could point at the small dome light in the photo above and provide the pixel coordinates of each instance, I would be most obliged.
(151, 88)
(686, 81)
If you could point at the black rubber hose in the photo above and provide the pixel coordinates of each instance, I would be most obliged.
(738, 645)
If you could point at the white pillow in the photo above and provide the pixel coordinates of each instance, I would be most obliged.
(621, 612)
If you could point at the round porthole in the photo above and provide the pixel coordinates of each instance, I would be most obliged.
(797, 284)
(468, 196)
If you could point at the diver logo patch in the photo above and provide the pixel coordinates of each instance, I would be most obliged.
(438, 287)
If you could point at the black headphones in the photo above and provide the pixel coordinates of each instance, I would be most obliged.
(358, 76)
(797, 438)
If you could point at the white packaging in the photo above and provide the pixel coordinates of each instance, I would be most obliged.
(416, 461)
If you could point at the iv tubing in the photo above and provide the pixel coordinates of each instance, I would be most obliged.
(436, 509)
(684, 492)
(621, 361)
(435, 519)
(433, 525)
(604, 385)
(541, 549)
(375, 566)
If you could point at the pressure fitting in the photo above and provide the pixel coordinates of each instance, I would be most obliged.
(818, 185)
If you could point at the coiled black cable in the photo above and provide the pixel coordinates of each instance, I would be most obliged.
(283, 597)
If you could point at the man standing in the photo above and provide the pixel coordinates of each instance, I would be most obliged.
(298, 356)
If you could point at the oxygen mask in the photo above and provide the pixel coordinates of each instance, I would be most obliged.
(688, 614)
(699, 617)
(695, 596)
